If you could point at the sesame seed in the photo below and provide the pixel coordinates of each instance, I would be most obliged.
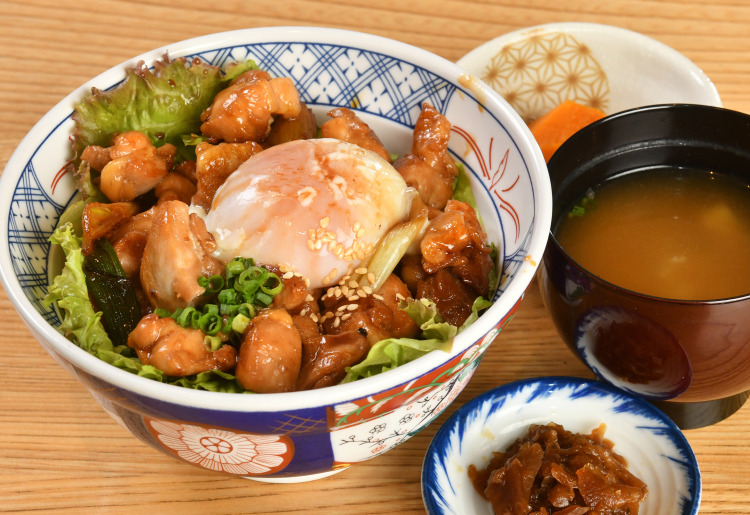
(371, 278)
(303, 312)
(309, 298)
(361, 292)
(353, 298)
(360, 233)
(287, 275)
(376, 296)
(361, 270)
(337, 292)
(352, 307)
(310, 245)
(324, 222)
(367, 289)
(345, 290)
(346, 316)
(400, 297)
(337, 322)
(353, 284)
(314, 317)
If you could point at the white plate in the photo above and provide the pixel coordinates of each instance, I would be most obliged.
(602, 66)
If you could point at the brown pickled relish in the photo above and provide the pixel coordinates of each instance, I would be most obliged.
(553, 471)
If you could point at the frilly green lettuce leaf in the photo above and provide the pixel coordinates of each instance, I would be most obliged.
(462, 188)
(165, 102)
(480, 304)
(394, 352)
(82, 325)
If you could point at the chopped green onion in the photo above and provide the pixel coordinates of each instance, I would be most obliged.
(275, 288)
(228, 309)
(227, 327)
(578, 211)
(212, 284)
(251, 279)
(189, 317)
(246, 309)
(212, 343)
(227, 296)
(263, 298)
(239, 295)
(211, 309)
(211, 323)
(162, 313)
(240, 323)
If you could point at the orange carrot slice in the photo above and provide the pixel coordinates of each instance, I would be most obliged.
(552, 129)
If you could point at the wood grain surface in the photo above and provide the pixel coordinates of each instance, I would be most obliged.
(59, 452)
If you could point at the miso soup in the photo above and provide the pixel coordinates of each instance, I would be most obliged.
(677, 234)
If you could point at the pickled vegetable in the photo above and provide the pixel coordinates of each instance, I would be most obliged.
(553, 471)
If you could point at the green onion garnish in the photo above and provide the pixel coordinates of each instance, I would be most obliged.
(243, 290)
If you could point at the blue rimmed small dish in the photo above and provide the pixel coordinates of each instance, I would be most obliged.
(654, 447)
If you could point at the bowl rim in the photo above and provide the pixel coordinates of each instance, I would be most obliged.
(462, 414)
(449, 71)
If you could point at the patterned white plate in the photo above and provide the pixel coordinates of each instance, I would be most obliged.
(655, 449)
(601, 66)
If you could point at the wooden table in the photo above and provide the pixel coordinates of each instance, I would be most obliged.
(60, 452)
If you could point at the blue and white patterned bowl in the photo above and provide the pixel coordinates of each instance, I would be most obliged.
(301, 435)
(655, 449)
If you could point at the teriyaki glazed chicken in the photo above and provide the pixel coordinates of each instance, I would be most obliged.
(223, 240)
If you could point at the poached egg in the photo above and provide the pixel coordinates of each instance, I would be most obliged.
(313, 207)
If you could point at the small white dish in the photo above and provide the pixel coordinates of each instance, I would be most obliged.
(610, 68)
(655, 449)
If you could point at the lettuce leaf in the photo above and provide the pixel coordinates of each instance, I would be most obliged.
(394, 352)
(462, 188)
(82, 324)
(165, 102)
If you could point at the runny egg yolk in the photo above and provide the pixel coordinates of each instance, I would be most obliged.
(313, 207)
